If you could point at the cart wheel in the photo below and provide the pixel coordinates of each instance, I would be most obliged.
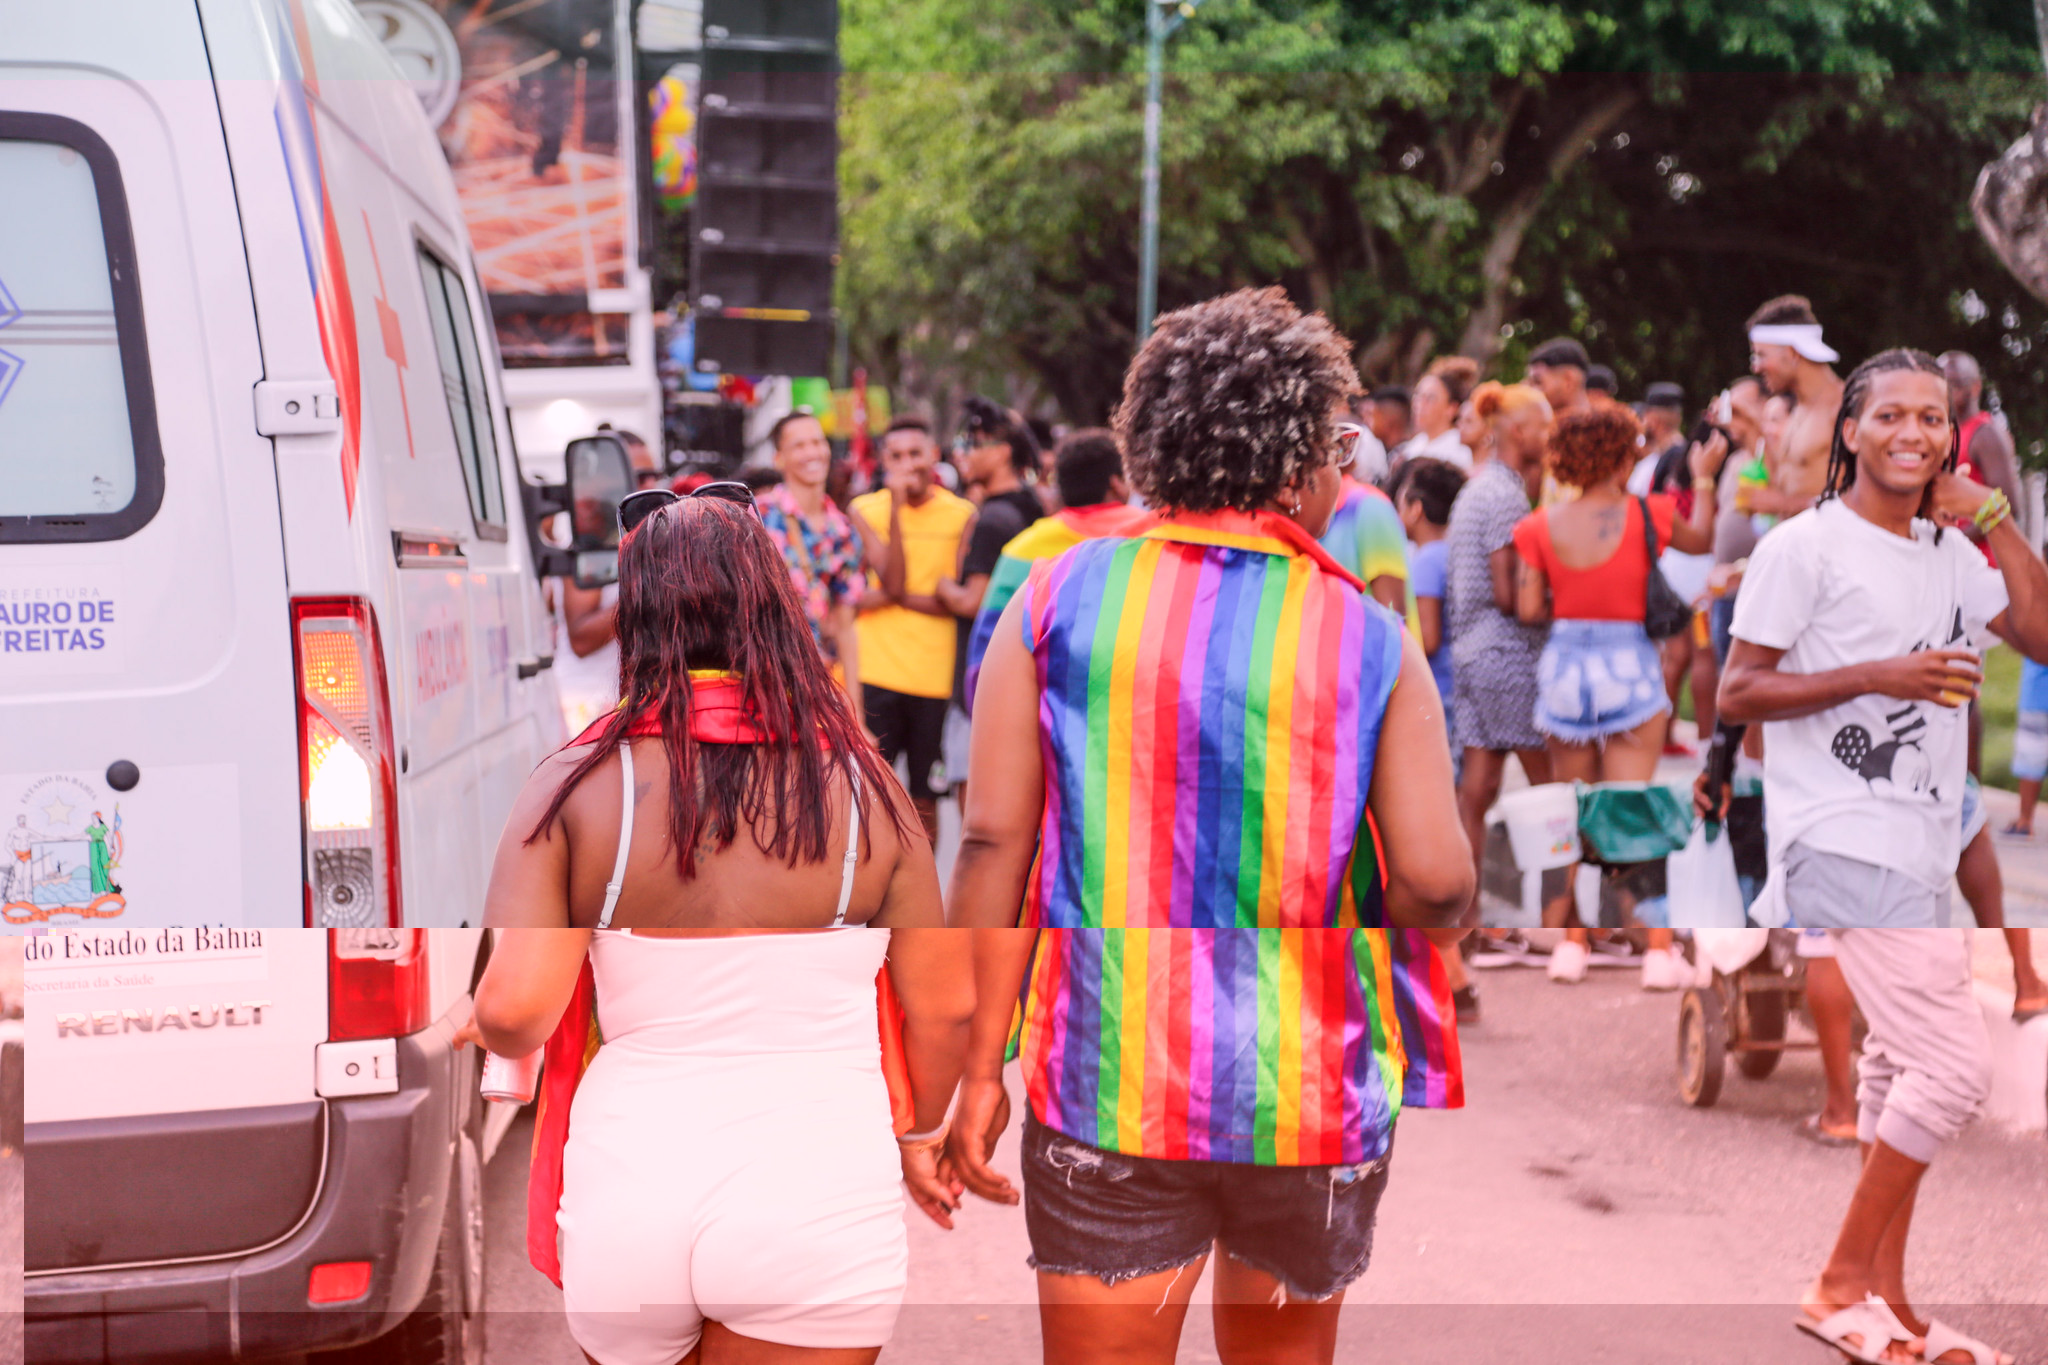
(1702, 1048)
(1766, 1025)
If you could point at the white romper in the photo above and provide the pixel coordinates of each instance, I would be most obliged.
(730, 1154)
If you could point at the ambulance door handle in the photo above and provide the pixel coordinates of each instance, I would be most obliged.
(297, 407)
(531, 667)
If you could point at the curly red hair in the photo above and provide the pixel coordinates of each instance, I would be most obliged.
(1589, 448)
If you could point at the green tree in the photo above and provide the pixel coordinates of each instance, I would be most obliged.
(1432, 176)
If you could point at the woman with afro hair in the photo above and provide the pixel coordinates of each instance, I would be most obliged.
(1585, 569)
(1195, 735)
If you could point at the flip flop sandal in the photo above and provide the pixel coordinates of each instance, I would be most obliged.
(1810, 1129)
(1872, 1321)
(1941, 1339)
(2015, 832)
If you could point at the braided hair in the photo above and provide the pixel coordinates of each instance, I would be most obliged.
(1855, 393)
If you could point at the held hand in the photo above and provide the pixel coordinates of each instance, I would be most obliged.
(466, 1031)
(1956, 499)
(928, 1187)
(1699, 801)
(1949, 677)
(1764, 501)
(1706, 457)
(980, 1116)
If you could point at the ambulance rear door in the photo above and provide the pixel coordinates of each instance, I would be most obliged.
(148, 759)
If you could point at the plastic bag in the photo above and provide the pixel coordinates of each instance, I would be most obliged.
(1730, 950)
(1701, 882)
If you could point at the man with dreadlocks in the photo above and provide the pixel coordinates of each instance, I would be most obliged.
(1855, 642)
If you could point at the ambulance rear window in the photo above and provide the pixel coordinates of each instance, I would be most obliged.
(79, 458)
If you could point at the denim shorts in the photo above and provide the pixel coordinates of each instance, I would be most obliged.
(2030, 747)
(1596, 679)
(1720, 626)
(1118, 1218)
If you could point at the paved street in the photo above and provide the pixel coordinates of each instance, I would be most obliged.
(1577, 1211)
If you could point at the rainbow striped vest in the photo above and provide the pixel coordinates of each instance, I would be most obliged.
(1214, 978)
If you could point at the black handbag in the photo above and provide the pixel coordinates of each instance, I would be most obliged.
(1665, 613)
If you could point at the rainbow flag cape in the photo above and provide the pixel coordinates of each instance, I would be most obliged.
(1215, 977)
(1046, 538)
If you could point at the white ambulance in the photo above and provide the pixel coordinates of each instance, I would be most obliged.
(273, 664)
(249, 1143)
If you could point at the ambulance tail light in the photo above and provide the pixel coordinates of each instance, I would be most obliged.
(348, 790)
(376, 983)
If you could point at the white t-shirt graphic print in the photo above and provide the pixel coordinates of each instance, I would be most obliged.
(1876, 779)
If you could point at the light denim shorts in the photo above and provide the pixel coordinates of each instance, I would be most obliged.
(1596, 679)
(2030, 746)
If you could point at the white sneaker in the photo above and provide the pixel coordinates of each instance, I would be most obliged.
(1664, 970)
(1568, 961)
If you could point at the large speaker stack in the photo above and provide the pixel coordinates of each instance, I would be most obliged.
(765, 234)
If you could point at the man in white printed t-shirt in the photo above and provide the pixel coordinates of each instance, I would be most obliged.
(1856, 641)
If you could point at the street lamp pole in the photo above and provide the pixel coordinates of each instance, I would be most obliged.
(1162, 17)
(1148, 211)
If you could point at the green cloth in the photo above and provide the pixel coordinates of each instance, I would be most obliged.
(1632, 822)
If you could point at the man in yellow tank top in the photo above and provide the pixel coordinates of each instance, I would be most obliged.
(913, 530)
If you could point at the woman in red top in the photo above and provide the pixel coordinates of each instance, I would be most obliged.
(1585, 569)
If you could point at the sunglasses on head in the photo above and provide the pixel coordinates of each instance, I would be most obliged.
(635, 508)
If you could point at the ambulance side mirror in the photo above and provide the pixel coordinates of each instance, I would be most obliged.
(599, 474)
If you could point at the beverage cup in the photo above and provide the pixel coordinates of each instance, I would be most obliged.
(511, 1080)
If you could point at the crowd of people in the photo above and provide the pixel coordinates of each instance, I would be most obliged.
(1254, 660)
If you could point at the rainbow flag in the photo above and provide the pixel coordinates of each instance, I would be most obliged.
(1046, 538)
(1272, 1047)
(1214, 978)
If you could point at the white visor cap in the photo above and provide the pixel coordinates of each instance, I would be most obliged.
(1803, 337)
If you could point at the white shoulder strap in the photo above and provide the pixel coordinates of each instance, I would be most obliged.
(618, 881)
(852, 851)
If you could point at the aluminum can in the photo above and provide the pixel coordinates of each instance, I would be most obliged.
(511, 1080)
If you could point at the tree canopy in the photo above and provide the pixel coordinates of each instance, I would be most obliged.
(1435, 176)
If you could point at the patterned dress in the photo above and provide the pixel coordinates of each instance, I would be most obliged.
(1214, 977)
(1493, 656)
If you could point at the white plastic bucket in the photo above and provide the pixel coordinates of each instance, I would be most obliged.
(1543, 825)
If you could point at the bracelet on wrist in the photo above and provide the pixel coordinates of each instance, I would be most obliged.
(1995, 509)
(918, 1142)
